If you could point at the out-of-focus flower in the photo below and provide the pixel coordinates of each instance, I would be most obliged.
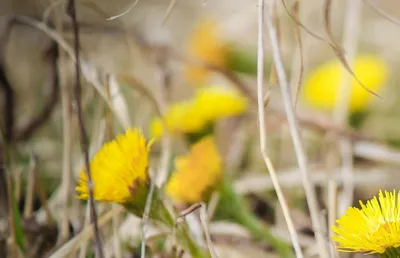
(321, 86)
(181, 117)
(209, 105)
(214, 103)
(196, 173)
(118, 170)
(375, 228)
(205, 45)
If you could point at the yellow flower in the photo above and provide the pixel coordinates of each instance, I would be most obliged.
(216, 102)
(322, 84)
(118, 170)
(209, 105)
(196, 173)
(373, 229)
(205, 45)
(182, 117)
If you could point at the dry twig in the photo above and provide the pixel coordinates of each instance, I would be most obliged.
(83, 137)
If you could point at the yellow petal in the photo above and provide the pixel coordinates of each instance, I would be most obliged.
(321, 86)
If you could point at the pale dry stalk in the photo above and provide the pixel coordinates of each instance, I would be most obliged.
(263, 143)
(308, 185)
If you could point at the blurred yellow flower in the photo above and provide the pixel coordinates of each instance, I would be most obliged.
(322, 84)
(216, 102)
(209, 105)
(196, 173)
(181, 117)
(374, 228)
(118, 169)
(205, 45)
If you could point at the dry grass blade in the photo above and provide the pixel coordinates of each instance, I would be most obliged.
(161, 103)
(257, 182)
(295, 133)
(84, 244)
(88, 71)
(66, 178)
(30, 188)
(111, 83)
(204, 223)
(124, 12)
(341, 110)
(298, 22)
(262, 131)
(73, 244)
(382, 13)
(337, 49)
(296, 14)
(137, 85)
(168, 12)
(11, 215)
(4, 211)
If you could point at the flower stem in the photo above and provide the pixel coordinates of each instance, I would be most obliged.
(160, 213)
(232, 206)
(186, 240)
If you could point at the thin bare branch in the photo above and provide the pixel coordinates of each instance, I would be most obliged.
(72, 11)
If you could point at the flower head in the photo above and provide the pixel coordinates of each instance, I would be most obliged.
(182, 117)
(216, 102)
(205, 45)
(118, 170)
(209, 105)
(322, 84)
(196, 173)
(373, 229)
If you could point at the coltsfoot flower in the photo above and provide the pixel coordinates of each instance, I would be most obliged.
(206, 45)
(373, 228)
(209, 105)
(120, 175)
(321, 86)
(196, 173)
(214, 103)
(181, 117)
(118, 170)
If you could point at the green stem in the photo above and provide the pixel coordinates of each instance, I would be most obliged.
(234, 208)
(243, 61)
(186, 240)
(391, 253)
(160, 213)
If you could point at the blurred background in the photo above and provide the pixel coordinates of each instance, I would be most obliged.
(141, 57)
